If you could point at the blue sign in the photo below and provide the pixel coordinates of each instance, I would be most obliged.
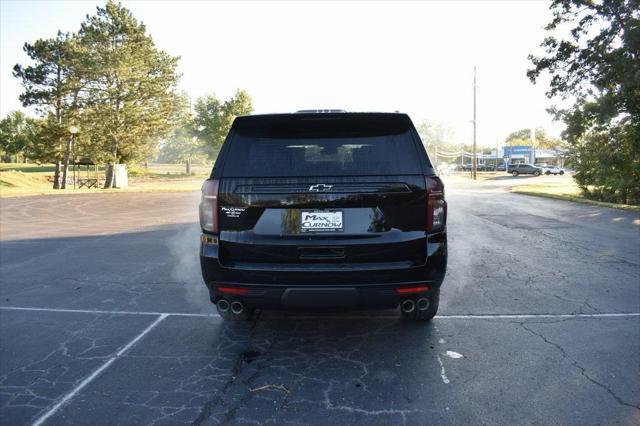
(518, 150)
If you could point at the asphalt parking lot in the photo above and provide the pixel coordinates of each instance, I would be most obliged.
(104, 320)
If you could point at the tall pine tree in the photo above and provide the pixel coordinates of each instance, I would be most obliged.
(131, 99)
(52, 84)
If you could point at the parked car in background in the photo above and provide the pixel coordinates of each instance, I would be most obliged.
(524, 169)
(501, 167)
(553, 170)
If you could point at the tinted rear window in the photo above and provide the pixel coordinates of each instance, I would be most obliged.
(270, 157)
(333, 146)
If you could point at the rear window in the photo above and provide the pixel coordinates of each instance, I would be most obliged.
(326, 150)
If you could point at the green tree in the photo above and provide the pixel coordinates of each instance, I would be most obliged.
(22, 136)
(13, 136)
(182, 147)
(593, 58)
(437, 134)
(213, 118)
(44, 145)
(130, 97)
(438, 137)
(52, 84)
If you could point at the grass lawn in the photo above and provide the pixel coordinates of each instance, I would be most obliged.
(27, 168)
(16, 183)
(564, 190)
(29, 179)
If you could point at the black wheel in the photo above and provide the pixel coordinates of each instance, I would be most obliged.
(427, 314)
(561, 172)
(536, 173)
(547, 173)
(515, 173)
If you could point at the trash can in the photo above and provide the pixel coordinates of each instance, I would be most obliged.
(120, 176)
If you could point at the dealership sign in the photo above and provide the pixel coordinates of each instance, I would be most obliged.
(510, 151)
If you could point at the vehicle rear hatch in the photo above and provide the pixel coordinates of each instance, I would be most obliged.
(325, 191)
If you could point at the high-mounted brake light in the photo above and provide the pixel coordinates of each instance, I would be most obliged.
(209, 206)
(436, 205)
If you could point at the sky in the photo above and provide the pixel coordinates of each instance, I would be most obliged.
(414, 57)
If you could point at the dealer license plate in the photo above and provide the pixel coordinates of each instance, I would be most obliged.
(315, 221)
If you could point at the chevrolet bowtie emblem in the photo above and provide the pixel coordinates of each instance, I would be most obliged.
(320, 188)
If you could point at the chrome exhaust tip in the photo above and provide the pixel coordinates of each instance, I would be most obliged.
(237, 307)
(408, 306)
(423, 304)
(223, 305)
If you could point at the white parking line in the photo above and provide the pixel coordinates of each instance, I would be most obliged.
(303, 316)
(96, 311)
(525, 316)
(443, 372)
(97, 372)
(478, 316)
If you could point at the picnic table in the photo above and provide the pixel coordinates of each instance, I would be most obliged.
(87, 183)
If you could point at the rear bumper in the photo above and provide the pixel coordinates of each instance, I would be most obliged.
(367, 286)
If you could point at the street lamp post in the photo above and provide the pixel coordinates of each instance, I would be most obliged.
(72, 131)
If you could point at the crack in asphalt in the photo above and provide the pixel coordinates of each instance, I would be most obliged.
(50, 372)
(330, 406)
(583, 371)
(315, 361)
(236, 370)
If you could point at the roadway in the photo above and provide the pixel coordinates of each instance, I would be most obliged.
(104, 320)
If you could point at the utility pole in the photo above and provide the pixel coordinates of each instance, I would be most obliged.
(533, 145)
(497, 148)
(474, 164)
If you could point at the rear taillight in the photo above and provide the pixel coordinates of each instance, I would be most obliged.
(209, 206)
(436, 205)
(412, 290)
(241, 291)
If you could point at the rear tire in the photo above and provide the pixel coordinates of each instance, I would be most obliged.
(514, 173)
(428, 313)
(561, 173)
(547, 173)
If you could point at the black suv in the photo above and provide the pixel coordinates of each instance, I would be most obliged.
(524, 169)
(323, 210)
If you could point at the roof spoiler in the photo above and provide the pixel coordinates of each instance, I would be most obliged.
(319, 111)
